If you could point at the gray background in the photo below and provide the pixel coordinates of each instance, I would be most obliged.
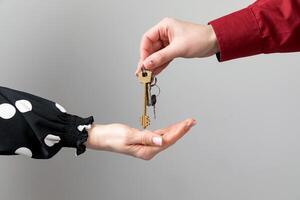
(83, 53)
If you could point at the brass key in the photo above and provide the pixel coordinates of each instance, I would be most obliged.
(145, 77)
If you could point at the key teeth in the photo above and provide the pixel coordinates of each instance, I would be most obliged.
(145, 121)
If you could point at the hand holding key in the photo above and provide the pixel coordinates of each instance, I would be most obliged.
(172, 38)
(130, 141)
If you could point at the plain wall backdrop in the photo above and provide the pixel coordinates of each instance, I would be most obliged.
(83, 54)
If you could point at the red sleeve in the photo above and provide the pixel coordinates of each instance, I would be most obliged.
(266, 26)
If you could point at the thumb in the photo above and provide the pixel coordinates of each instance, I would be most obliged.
(160, 57)
(148, 138)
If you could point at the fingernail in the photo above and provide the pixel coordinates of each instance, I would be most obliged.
(193, 123)
(157, 140)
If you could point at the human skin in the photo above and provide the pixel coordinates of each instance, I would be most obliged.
(172, 38)
(143, 144)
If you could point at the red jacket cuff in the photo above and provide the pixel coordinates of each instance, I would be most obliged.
(238, 35)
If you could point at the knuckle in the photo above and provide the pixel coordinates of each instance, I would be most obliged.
(145, 36)
(161, 57)
(144, 139)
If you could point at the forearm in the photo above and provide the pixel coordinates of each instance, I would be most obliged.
(37, 127)
(267, 26)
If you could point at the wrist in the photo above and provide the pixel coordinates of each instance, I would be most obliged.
(94, 139)
(88, 143)
(213, 39)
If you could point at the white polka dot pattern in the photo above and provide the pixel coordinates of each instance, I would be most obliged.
(35, 127)
(23, 106)
(24, 151)
(7, 111)
(62, 109)
(81, 127)
(51, 140)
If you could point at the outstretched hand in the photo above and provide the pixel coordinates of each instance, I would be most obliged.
(143, 144)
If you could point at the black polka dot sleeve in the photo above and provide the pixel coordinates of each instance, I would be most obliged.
(37, 127)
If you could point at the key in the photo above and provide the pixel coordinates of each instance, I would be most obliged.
(153, 103)
(145, 78)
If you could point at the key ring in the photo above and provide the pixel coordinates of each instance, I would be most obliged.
(157, 88)
(155, 81)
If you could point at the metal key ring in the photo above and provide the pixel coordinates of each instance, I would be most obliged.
(155, 81)
(150, 89)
